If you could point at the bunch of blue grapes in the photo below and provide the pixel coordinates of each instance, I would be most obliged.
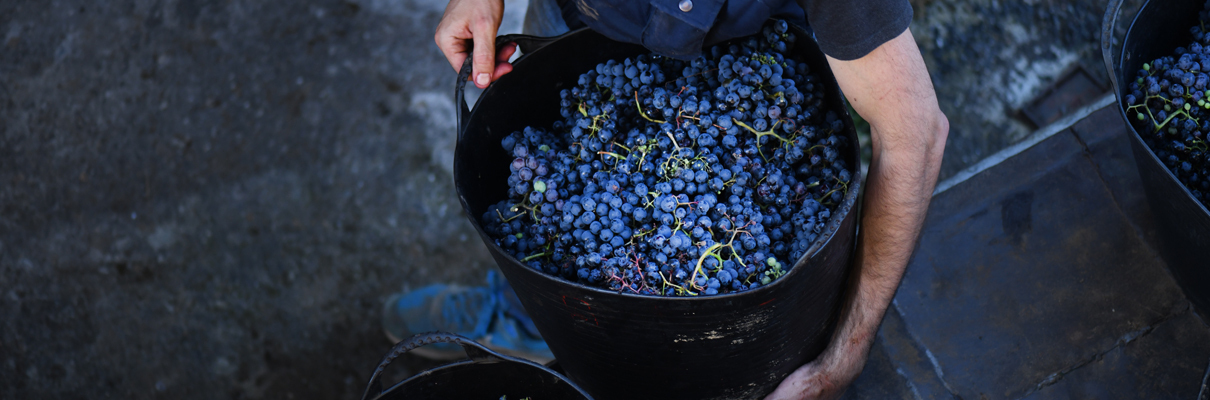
(1169, 105)
(675, 178)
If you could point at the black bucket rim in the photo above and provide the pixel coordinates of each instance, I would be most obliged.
(1113, 65)
(476, 353)
(848, 205)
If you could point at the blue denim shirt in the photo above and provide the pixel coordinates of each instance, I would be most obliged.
(667, 28)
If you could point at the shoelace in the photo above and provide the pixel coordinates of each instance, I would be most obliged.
(507, 308)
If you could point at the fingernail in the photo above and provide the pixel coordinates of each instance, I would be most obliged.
(483, 79)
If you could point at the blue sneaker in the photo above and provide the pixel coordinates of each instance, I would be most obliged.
(491, 315)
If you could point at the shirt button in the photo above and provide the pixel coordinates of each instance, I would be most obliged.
(686, 5)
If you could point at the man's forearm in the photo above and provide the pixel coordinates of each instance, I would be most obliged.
(891, 88)
(898, 190)
(908, 134)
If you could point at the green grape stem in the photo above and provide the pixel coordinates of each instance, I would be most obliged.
(1159, 126)
(640, 107)
(713, 251)
(710, 251)
(679, 289)
(534, 256)
(611, 154)
(765, 133)
(1199, 145)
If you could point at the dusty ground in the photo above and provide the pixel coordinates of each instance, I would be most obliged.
(209, 200)
(212, 199)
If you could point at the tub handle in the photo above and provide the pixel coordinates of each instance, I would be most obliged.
(529, 43)
(474, 350)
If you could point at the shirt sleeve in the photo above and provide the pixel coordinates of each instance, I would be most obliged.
(850, 29)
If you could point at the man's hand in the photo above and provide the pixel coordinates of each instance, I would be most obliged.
(825, 378)
(471, 25)
(890, 88)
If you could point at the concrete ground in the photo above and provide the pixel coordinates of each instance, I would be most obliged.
(212, 199)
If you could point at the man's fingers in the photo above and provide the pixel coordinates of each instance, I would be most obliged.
(502, 64)
(453, 48)
(506, 52)
(501, 69)
(456, 57)
(484, 54)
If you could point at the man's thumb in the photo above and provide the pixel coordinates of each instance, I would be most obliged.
(484, 57)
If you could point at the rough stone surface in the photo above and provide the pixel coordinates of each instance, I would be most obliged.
(1072, 91)
(990, 58)
(212, 199)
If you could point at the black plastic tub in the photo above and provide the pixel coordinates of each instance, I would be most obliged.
(486, 375)
(1184, 223)
(623, 346)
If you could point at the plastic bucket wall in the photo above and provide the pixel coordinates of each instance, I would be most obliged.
(622, 346)
(1184, 224)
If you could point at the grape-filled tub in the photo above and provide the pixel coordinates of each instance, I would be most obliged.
(1184, 223)
(624, 346)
